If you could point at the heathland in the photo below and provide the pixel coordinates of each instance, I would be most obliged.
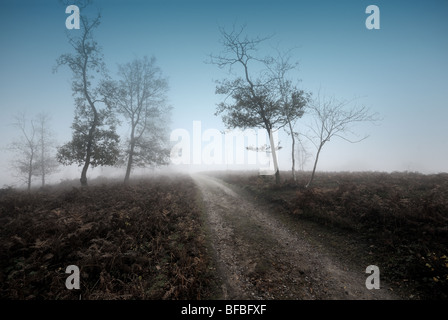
(213, 236)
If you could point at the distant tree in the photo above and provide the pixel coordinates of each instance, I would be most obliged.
(33, 148)
(257, 101)
(332, 119)
(302, 151)
(94, 138)
(25, 148)
(46, 162)
(141, 98)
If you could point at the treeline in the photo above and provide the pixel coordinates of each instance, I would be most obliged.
(136, 98)
(260, 92)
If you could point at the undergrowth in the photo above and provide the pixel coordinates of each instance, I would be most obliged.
(140, 241)
(402, 217)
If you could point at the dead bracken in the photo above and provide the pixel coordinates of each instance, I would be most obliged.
(141, 241)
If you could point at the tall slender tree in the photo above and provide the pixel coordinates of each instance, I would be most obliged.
(94, 138)
(293, 100)
(141, 99)
(46, 163)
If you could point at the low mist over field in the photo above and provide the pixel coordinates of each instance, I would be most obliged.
(223, 154)
(389, 60)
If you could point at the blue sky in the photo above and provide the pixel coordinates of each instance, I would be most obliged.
(399, 71)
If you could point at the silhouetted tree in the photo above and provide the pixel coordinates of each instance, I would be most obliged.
(257, 100)
(332, 119)
(141, 99)
(94, 138)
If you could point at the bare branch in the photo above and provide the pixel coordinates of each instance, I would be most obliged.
(334, 118)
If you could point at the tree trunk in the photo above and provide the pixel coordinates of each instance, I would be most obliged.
(131, 154)
(89, 148)
(292, 152)
(30, 172)
(274, 157)
(129, 165)
(83, 178)
(94, 124)
(42, 155)
(315, 165)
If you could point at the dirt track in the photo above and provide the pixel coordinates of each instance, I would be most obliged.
(259, 257)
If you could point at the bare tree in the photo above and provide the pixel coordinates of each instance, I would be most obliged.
(140, 98)
(257, 100)
(26, 148)
(33, 148)
(332, 119)
(46, 162)
(94, 139)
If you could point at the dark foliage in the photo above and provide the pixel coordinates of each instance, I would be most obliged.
(140, 241)
(401, 217)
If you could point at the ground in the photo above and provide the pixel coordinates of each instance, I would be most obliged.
(259, 257)
(397, 221)
(138, 241)
(228, 236)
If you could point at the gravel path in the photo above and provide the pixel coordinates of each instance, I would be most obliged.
(260, 258)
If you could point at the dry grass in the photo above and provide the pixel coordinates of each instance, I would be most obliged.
(142, 241)
(402, 217)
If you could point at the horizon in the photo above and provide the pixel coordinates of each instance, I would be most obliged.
(285, 175)
(399, 71)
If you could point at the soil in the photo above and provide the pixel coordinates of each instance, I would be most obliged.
(261, 256)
